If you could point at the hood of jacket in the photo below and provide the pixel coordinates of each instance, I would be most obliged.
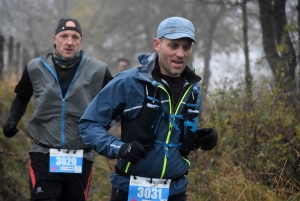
(150, 69)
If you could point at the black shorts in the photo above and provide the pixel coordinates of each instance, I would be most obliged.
(63, 186)
(120, 195)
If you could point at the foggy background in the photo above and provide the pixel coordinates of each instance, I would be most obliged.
(126, 28)
(251, 45)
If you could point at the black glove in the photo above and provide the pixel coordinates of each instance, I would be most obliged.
(206, 138)
(187, 143)
(17, 110)
(10, 129)
(133, 151)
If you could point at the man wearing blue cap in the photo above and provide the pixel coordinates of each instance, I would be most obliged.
(159, 104)
(63, 83)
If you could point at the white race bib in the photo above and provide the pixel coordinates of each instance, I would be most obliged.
(146, 189)
(65, 161)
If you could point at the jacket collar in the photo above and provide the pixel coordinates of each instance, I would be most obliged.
(150, 69)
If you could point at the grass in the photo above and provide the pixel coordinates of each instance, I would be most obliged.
(256, 159)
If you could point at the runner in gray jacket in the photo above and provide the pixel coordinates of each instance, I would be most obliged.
(63, 83)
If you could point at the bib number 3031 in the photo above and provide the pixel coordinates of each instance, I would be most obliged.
(146, 189)
(66, 161)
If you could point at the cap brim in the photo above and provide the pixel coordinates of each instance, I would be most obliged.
(174, 36)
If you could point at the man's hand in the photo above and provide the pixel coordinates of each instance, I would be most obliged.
(187, 143)
(133, 151)
(10, 129)
(206, 138)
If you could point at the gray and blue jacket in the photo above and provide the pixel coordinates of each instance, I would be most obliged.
(146, 107)
(55, 118)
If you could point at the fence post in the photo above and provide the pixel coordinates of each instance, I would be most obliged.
(25, 56)
(1, 55)
(18, 59)
(10, 51)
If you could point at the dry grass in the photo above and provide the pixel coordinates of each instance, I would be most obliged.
(234, 171)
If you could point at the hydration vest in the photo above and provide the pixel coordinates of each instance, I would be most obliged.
(145, 126)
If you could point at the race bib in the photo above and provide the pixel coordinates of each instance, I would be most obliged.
(66, 161)
(146, 189)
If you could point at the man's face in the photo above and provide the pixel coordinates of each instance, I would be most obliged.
(67, 42)
(122, 65)
(173, 55)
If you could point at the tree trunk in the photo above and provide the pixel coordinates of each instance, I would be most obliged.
(288, 55)
(207, 48)
(278, 47)
(248, 76)
(269, 44)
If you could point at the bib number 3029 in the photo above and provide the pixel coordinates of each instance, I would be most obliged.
(66, 161)
(141, 189)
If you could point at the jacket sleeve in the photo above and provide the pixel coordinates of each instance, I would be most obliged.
(17, 110)
(24, 89)
(105, 107)
(23, 92)
(107, 77)
(199, 101)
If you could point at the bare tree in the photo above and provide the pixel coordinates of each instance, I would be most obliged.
(208, 43)
(279, 49)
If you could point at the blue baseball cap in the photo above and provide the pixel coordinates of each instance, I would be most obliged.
(176, 27)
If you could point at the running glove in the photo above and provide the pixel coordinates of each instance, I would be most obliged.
(206, 139)
(10, 129)
(133, 151)
(187, 143)
(17, 110)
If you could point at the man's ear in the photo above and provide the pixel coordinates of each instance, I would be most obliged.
(156, 43)
(54, 39)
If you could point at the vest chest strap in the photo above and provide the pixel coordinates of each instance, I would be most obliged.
(166, 145)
